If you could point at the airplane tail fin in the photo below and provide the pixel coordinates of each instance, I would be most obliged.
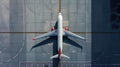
(56, 56)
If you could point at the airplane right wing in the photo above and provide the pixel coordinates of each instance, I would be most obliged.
(52, 33)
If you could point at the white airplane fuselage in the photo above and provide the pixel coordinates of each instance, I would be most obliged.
(60, 34)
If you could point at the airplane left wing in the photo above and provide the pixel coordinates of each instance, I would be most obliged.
(52, 33)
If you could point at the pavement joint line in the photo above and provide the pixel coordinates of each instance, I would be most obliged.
(47, 32)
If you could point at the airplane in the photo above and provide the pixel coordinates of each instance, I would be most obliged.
(62, 36)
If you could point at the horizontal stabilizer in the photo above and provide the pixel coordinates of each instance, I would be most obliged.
(55, 56)
(65, 56)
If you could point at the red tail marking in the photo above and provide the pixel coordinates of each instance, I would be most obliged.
(60, 52)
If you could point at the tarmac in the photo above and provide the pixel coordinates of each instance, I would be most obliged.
(31, 16)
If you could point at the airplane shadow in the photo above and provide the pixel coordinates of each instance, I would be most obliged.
(56, 61)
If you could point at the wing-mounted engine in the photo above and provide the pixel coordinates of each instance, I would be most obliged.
(66, 28)
(53, 28)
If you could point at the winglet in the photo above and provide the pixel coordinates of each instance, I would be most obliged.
(84, 38)
(33, 38)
